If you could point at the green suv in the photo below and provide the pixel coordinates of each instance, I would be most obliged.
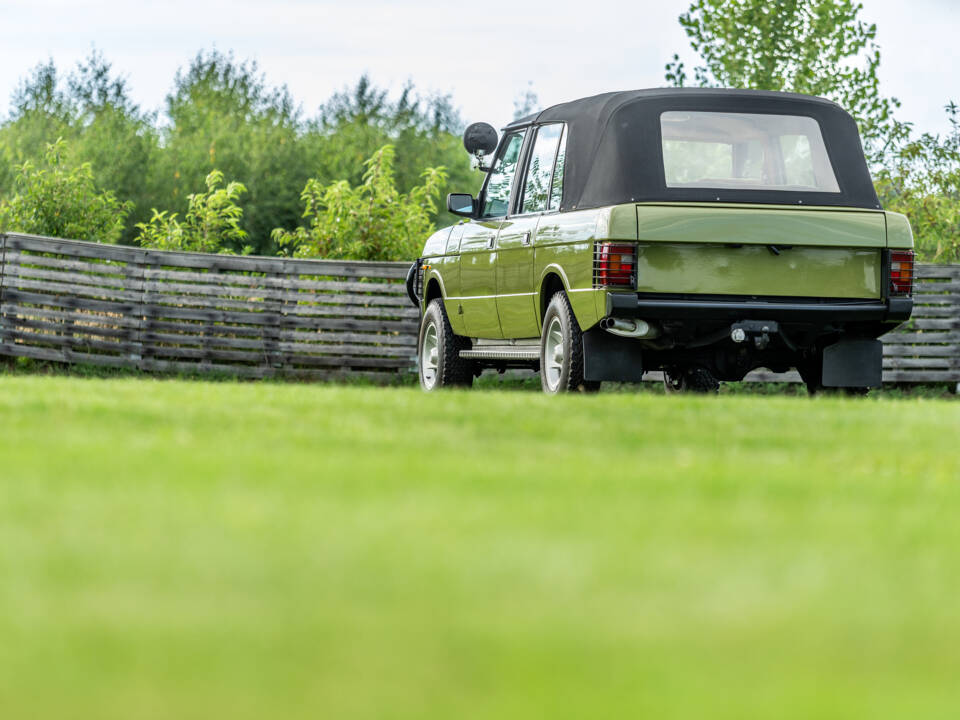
(702, 233)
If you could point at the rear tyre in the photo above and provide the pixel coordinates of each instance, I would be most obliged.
(561, 350)
(438, 351)
(689, 380)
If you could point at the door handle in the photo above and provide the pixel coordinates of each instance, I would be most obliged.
(525, 240)
(491, 242)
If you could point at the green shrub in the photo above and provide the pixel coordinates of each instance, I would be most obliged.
(211, 223)
(61, 200)
(923, 182)
(372, 221)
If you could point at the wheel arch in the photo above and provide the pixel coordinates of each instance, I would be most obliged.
(433, 288)
(552, 280)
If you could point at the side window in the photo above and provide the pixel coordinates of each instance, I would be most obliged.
(556, 188)
(536, 186)
(497, 196)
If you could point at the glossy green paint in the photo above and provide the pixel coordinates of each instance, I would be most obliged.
(564, 246)
(756, 270)
(899, 232)
(478, 279)
(761, 225)
(516, 302)
(492, 280)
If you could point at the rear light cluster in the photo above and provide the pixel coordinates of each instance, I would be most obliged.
(901, 272)
(615, 265)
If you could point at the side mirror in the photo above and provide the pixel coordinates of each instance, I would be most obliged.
(461, 204)
(480, 139)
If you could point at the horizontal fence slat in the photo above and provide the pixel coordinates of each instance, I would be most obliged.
(96, 281)
(74, 248)
(125, 333)
(925, 350)
(924, 271)
(924, 362)
(15, 258)
(70, 357)
(16, 282)
(291, 282)
(64, 316)
(922, 376)
(263, 293)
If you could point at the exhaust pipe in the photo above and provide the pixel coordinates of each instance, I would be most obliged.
(629, 328)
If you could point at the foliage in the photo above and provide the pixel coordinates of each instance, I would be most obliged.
(91, 109)
(211, 223)
(370, 221)
(62, 200)
(223, 115)
(822, 47)
(425, 132)
(923, 182)
(526, 103)
(816, 47)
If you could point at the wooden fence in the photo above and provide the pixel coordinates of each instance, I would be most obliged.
(79, 302)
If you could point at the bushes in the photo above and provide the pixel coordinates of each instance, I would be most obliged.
(211, 223)
(62, 200)
(372, 221)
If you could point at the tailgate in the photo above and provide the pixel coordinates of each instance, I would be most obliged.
(751, 250)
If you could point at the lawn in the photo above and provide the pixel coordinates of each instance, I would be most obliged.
(218, 550)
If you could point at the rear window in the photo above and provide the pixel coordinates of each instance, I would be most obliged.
(745, 151)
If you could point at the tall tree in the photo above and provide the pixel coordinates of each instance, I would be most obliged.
(423, 130)
(91, 109)
(222, 115)
(816, 47)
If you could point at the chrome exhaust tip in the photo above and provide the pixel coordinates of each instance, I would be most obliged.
(629, 328)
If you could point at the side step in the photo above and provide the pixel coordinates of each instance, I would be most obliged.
(501, 352)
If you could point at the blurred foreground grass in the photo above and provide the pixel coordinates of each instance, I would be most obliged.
(197, 550)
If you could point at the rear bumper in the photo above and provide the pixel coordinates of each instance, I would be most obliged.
(732, 308)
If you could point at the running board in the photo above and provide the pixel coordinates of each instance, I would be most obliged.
(501, 352)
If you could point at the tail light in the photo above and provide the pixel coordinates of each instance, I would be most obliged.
(615, 265)
(901, 272)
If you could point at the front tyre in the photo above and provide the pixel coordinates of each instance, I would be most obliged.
(561, 350)
(438, 351)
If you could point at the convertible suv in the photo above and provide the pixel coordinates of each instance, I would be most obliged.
(702, 233)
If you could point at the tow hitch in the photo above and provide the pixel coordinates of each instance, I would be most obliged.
(759, 330)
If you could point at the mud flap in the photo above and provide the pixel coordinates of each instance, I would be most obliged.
(853, 363)
(612, 358)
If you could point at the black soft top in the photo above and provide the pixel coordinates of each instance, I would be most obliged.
(615, 156)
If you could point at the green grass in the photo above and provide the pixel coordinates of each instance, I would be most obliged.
(204, 550)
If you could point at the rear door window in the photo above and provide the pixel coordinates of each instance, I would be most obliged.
(536, 186)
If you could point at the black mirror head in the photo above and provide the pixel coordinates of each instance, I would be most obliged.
(461, 204)
(480, 139)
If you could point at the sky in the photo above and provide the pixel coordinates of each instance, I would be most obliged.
(485, 54)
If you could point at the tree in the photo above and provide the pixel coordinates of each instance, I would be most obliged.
(223, 115)
(815, 47)
(371, 221)
(211, 223)
(91, 109)
(424, 131)
(62, 200)
(923, 181)
(526, 103)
